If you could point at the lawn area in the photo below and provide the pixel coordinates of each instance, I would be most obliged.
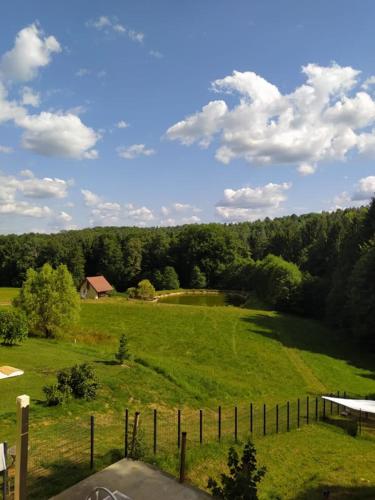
(7, 295)
(193, 357)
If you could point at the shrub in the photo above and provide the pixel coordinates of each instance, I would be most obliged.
(145, 290)
(132, 292)
(13, 327)
(79, 381)
(244, 475)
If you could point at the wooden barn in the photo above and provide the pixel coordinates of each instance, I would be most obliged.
(95, 287)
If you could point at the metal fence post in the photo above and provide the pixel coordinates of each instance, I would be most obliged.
(183, 458)
(126, 433)
(92, 424)
(135, 432)
(155, 430)
(22, 446)
(178, 429)
(200, 426)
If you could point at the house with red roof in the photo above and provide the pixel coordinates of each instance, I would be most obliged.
(95, 287)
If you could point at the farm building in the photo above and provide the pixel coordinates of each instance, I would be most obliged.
(95, 287)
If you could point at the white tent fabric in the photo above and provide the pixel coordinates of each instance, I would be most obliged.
(365, 405)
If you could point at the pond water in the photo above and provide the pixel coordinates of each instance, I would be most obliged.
(204, 299)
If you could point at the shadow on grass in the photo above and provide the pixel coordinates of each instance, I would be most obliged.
(107, 362)
(338, 493)
(57, 477)
(311, 335)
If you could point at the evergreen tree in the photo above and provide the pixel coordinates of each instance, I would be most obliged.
(170, 279)
(122, 352)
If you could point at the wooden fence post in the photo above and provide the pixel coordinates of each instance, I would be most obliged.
(22, 445)
(183, 458)
(155, 430)
(200, 426)
(178, 429)
(235, 424)
(134, 435)
(219, 423)
(92, 427)
(126, 433)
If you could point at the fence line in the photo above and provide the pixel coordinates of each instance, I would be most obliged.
(63, 452)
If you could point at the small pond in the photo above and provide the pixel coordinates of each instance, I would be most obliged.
(204, 299)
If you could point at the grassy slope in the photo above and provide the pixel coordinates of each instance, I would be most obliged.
(7, 294)
(188, 356)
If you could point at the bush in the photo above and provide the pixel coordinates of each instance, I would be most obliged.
(79, 381)
(13, 327)
(241, 483)
(132, 292)
(145, 290)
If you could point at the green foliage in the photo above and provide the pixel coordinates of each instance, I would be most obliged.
(166, 280)
(277, 282)
(244, 475)
(49, 300)
(79, 381)
(122, 352)
(198, 279)
(145, 290)
(13, 326)
(361, 292)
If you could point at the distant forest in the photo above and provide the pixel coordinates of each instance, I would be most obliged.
(318, 265)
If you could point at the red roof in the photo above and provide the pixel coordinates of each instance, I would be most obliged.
(100, 284)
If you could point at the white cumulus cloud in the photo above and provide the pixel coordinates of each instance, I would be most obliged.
(31, 51)
(122, 124)
(364, 189)
(323, 119)
(52, 134)
(134, 151)
(30, 98)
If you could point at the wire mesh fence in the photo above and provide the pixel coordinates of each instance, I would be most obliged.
(64, 451)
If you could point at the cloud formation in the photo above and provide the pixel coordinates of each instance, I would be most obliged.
(110, 24)
(321, 120)
(134, 151)
(30, 52)
(249, 203)
(179, 214)
(361, 194)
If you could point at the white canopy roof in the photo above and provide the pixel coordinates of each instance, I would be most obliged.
(365, 405)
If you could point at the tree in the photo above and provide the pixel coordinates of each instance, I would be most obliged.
(49, 300)
(243, 478)
(168, 279)
(13, 326)
(145, 290)
(198, 279)
(277, 282)
(122, 352)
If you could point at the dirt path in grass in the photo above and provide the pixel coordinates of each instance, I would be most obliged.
(312, 381)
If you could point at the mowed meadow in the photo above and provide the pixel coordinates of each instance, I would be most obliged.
(193, 357)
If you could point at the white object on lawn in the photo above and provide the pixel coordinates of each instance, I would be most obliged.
(9, 371)
(364, 405)
(3, 463)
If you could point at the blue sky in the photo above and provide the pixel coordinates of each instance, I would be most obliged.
(161, 113)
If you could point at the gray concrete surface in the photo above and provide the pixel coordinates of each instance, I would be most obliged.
(137, 480)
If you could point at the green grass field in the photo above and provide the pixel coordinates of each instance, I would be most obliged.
(194, 357)
(7, 295)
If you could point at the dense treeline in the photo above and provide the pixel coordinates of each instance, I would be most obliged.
(320, 265)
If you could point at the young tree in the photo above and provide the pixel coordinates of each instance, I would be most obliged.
(13, 326)
(49, 300)
(243, 478)
(145, 290)
(198, 279)
(170, 279)
(122, 352)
